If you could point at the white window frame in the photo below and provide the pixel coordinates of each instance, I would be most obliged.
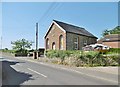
(85, 42)
(76, 43)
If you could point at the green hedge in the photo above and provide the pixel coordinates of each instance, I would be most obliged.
(8, 51)
(57, 54)
(60, 53)
(114, 50)
(82, 58)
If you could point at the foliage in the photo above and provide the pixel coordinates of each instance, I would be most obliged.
(114, 50)
(116, 30)
(105, 32)
(21, 45)
(60, 53)
(82, 58)
(7, 50)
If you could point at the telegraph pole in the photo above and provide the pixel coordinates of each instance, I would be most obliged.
(36, 36)
(36, 49)
(1, 47)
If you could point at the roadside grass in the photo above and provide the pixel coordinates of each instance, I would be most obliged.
(81, 58)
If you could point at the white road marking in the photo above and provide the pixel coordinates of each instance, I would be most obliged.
(19, 64)
(37, 72)
(97, 77)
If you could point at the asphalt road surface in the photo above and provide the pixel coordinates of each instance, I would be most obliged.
(22, 72)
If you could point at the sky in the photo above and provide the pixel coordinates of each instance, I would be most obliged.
(19, 18)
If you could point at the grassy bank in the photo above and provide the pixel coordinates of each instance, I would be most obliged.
(82, 58)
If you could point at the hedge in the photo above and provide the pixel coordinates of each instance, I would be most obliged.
(114, 50)
(82, 58)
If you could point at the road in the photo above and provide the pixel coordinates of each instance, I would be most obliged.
(22, 72)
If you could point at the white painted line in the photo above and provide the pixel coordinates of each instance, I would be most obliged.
(83, 73)
(97, 77)
(37, 72)
(19, 64)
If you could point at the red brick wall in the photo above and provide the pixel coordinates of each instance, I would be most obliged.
(53, 36)
(112, 44)
(68, 44)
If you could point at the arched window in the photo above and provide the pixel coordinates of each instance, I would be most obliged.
(61, 42)
(53, 45)
(47, 43)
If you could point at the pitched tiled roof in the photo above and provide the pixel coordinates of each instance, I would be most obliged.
(110, 38)
(74, 29)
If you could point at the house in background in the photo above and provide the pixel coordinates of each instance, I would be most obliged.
(112, 40)
(63, 36)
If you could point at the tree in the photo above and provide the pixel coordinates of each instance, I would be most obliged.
(116, 30)
(105, 32)
(21, 45)
(6, 48)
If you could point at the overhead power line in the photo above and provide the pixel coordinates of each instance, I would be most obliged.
(52, 13)
(45, 16)
(49, 11)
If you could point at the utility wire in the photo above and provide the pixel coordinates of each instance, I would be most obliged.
(50, 10)
(46, 12)
(52, 13)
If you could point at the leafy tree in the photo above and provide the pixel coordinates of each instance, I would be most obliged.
(105, 32)
(116, 30)
(21, 45)
(6, 48)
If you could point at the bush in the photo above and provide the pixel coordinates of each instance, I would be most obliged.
(57, 53)
(8, 51)
(114, 50)
(113, 60)
(51, 54)
(82, 58)
(20, 54)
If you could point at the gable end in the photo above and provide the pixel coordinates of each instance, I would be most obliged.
(51, 26)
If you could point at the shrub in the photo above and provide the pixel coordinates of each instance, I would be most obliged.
(20, 54)
(82, 58)
(113, 60)
(114, 50)
(50, 53)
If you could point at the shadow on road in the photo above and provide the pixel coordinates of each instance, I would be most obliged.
(12, 77)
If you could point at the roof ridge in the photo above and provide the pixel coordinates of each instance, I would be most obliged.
(69, 24)
(74, 29)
